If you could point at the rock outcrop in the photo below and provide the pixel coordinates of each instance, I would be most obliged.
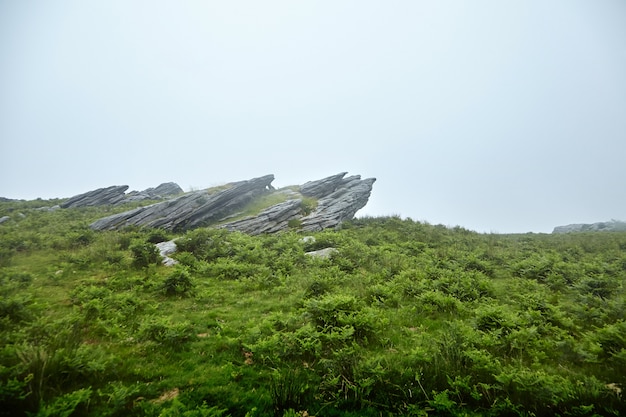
(611, 226)
(165, 250)
(100, 197)
(338, 199)
(191, 210)
(116, 194)
(163, 191)
(323, 187)
(325, 253)
(271, 220)
(48, 208)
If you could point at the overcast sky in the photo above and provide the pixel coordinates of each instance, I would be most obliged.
(498, 116)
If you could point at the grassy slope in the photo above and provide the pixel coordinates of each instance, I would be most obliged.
(408, 319)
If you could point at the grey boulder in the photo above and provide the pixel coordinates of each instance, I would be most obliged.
(325, 253)
(165, 249)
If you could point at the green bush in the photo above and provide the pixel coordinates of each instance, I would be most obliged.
(178, 282)
(144, 254)
(16, 308)
(290, 389)
(6, 254)
(229, 269)
(158, 236)
(342, 317)
(67, 404)
(166, 333)
(206, 244)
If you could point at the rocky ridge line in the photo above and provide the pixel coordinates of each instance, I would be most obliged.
(338, 199)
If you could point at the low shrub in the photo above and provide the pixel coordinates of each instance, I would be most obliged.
(178, 282)
(144, 254)
(162, 331)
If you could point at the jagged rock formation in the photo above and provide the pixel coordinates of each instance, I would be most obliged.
(116, 194)
(99, 197)
(338, 199)
(271, 220)
(611, 226)
(163, 191)
(191, 210)
(325, 186)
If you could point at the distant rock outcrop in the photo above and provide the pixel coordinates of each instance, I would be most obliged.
(338, 199)
(610, 226)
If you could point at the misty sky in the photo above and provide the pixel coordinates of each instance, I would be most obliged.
(498, 116)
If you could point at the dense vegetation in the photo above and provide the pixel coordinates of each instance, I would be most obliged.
(406, 319)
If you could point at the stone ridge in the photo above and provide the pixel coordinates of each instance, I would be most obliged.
(338, 199)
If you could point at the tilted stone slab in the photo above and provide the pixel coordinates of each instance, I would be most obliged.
(100, 197)
(189, 210)
(338, 199)
(271, 220)
(340, 205)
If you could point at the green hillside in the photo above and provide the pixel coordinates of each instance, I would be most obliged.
(406, 319)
